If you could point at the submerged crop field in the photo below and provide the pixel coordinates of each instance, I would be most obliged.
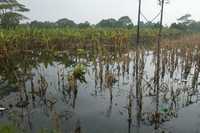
(119, 75)
(82, 89)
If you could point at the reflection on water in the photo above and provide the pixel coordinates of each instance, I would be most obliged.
(98, 90)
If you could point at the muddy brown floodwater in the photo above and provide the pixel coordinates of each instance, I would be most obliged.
(101, 91)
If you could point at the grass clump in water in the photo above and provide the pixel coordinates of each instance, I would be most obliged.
(77, 74)
(9, 128)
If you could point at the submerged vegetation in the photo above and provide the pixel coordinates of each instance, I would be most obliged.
(56, 89)
(61, 76)
(9, 128)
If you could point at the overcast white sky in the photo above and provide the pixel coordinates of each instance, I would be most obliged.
(95, 10)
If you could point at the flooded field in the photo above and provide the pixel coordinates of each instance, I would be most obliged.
(102, 90)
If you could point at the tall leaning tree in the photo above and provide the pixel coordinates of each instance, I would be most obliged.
(11, 13)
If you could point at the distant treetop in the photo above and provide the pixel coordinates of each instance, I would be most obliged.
(10, 13)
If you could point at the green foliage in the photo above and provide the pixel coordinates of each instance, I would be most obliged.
(11, 19)
(84, 25)
(125, 21)
(107, 23)
(39, 24)
(8, 128)
(185, 18)
(79, 73)
(13, 5)
(81, 52)
(25, 38)
(186, 24)
(65, 23)
(10, 13)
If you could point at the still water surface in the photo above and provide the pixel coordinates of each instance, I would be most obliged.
(36, 91)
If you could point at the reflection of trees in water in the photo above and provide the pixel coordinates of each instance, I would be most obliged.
(30, 88)
(139, 65)
(171, 88)
(175, 90)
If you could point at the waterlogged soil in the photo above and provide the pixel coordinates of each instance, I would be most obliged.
(37, 92)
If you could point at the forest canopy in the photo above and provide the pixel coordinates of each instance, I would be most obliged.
(11, 14)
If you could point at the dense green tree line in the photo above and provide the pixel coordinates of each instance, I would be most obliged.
(11, 15)
(185, 23)
(123, 22)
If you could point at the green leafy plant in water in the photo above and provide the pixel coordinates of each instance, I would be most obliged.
(10, 128)
(79, 73)
(163, 109)
(81, 52)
